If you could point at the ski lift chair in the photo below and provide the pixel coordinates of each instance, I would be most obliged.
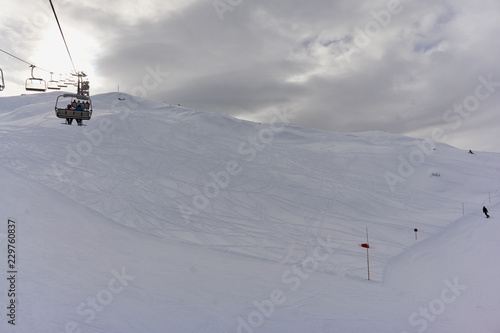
(53, 84)
(84, 88)
(73, 107)
(61, 83)
(70, 81)
(2, 83)
(35, 84)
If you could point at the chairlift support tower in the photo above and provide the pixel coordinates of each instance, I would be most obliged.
(83, 86)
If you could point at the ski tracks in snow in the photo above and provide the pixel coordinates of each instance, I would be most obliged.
(142, 170)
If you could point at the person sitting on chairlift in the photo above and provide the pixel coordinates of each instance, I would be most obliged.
(79, 108)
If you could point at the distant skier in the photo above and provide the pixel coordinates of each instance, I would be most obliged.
(470, 152)
(485, 211)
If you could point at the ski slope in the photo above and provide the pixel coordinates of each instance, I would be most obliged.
(158, 218)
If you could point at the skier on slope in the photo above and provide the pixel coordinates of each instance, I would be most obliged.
(485, 211)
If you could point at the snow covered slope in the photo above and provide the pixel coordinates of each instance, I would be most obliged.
(158, 218)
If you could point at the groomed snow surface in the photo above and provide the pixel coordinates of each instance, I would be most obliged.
(158, 218)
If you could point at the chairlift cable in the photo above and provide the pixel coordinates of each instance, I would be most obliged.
(64, 39)
(15, 57)
(10, 54)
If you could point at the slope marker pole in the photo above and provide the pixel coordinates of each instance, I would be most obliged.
(367, 255)
(367, 246)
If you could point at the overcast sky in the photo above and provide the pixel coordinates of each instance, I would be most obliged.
(342, 65)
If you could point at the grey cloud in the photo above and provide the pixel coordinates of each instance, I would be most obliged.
(304, 56)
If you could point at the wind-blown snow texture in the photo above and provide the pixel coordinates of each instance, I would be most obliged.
(156, 218)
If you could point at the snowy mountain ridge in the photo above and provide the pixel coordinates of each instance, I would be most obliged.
(225, 225)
